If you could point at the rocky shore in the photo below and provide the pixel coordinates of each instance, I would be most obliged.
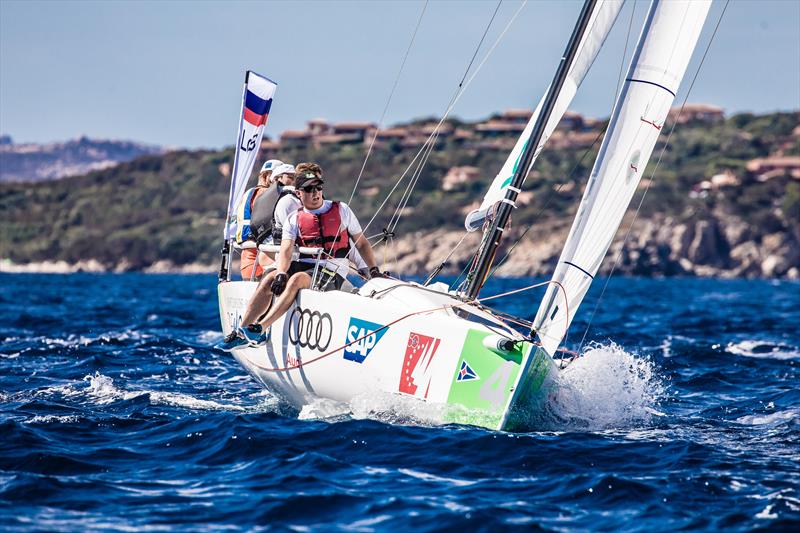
(660, 246)
(718, 246)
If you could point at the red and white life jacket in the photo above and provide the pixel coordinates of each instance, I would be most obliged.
(324, 231)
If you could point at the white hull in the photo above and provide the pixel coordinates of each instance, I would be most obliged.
(393, 337)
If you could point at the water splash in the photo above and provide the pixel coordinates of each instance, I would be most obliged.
(377, 405)
(607, 387)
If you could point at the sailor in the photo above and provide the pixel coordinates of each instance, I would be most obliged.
(256, 214)
(319, 223)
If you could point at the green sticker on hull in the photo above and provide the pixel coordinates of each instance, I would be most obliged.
(482, 382)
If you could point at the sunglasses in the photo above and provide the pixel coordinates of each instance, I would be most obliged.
(311, 188)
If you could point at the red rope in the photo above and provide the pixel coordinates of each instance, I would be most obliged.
(340, 348)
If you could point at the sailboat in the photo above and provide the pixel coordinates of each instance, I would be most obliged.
(447, 348)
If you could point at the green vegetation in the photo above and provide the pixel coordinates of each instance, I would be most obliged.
(172, 207)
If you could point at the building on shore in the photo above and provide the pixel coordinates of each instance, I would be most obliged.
(696, 113)
(766, 168)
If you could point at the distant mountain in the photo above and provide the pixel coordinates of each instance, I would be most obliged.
(42, 162)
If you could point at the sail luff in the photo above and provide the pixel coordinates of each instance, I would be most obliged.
(600, 23)
(665, 46)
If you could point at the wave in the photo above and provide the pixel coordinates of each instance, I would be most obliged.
(771, 419)
(101, 390)
(763, 350)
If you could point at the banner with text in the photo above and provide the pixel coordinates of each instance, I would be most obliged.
(256, 102)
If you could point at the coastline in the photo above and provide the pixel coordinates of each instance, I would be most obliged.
(657, 247)
(94, 266)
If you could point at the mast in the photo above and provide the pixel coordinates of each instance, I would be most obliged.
(491, 238)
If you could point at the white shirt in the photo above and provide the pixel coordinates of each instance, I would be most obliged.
(349, 221)
(285, 207)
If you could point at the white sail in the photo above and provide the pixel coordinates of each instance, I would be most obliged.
(600, 23)
(663, 52)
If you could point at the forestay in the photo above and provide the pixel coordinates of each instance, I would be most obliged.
(600, 23)
(256, 102)
(665, 47)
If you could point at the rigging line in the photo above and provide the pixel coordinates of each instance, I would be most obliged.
(388, 101)
(624, 52)
(552, 194)
(411, 185)
(414, 174)
(442, 263)
(431, 141)
(480, 43)
(426, 156)
(452, 104)
(652, 175)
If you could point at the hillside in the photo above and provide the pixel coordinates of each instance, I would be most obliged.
(41, 162)
(725, 201)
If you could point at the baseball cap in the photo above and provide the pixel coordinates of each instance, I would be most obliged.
(271, 164)
(283, 168)
(304, 178)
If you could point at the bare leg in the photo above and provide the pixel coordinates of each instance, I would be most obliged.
(298, 281)
(260, 301)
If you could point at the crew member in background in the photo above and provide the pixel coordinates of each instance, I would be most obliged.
(257, 211)
(318, 223)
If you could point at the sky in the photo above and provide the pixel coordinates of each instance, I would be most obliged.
(171, 73)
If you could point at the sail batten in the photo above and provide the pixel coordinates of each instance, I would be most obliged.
(600, 23)
(665, 46)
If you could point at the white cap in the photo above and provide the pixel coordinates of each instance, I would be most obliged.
(283, 168)
(271, 164)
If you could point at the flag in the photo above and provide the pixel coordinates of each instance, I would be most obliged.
(256, 103)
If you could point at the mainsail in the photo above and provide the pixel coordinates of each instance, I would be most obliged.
(256, 102)
(602, 19)
(668, 38)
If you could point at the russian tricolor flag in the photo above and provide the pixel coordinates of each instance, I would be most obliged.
(256, 108)
(258, 93)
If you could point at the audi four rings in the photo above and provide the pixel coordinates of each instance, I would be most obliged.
(310, 329)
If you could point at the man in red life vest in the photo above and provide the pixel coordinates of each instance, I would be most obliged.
(319, 223)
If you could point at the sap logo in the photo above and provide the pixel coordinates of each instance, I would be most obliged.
(362, 336)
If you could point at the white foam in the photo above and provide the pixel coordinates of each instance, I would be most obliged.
(209, 337)
(607, 387)
(73, 341)
(767, 513)
(53, 419)
(377, 405)
(770, 419)
(324, 409)
(425, 476)
(763, 350)
(102, 390)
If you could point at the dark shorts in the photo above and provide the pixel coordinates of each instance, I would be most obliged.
(327, 280)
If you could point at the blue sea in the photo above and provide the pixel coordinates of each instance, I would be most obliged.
(117, 414)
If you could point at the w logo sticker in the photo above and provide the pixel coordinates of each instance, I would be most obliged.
(362, 336)
(417, 371)
(465, 373)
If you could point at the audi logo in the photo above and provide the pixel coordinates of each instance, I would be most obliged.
(310, 329)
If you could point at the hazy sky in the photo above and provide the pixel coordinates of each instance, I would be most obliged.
(171, 72)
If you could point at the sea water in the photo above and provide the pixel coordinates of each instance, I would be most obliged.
(117, 414)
